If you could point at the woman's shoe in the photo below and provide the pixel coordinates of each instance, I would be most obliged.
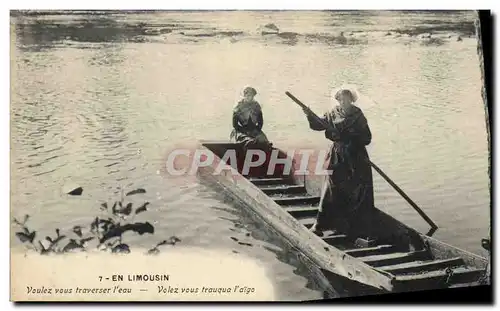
(314, 229)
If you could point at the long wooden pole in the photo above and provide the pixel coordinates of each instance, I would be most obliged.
(405, 196)
(392, 183)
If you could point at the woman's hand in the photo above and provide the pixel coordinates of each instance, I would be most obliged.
(332, 134)
(307, 112)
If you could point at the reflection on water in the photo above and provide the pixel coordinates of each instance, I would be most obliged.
(254, 239)
(99, 100)
(293, 279)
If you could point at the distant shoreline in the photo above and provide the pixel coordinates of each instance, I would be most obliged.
(90, 12)
(106, 26)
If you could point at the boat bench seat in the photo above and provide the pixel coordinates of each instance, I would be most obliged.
(283, 189)
(394, 258)
(302, 211)
(336, 240)
(296, 200)
(370, 251)
(269, 181)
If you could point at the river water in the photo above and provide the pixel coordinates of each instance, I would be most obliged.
(98, 100)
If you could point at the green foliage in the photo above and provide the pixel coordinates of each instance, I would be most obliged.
(107, 232)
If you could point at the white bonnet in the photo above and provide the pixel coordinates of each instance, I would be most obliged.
(350, 88)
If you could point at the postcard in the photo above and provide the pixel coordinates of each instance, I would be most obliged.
(247, 155)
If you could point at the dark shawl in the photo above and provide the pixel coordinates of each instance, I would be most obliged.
(247, 124)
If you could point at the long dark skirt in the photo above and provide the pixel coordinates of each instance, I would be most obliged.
(254, 138)
(347, 199)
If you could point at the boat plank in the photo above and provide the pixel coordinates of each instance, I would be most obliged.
(301, 211)
(294, 200)
(283, 189)
(268, 181)
(394, 258)
(441, 250)
(369, 251)
(336, 239)
(428, 279)
(418, 266)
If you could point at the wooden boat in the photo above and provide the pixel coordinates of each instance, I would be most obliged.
(396, 258)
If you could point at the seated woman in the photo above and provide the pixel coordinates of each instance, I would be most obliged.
(248, 121)
(347, 193)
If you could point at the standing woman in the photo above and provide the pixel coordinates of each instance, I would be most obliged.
(347, 194)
